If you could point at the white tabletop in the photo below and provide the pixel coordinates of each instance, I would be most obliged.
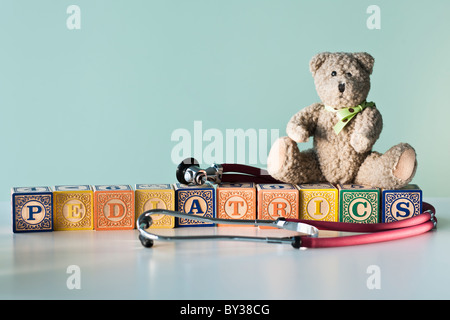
(114, 265)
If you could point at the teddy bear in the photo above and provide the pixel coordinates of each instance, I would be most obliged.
(344, 127)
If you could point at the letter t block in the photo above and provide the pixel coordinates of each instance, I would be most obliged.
(236, 201)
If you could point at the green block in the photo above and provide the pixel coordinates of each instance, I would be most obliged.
(359, 204)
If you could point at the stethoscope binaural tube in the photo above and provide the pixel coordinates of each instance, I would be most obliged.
(373, 233)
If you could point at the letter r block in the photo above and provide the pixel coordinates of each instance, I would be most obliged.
(401, 203)
(73, 207)
(358, 203)
(236, 201)
(196, 200)
(156, 196)
(318, 202)
(277, 200)
(32, 209)
(114, 207)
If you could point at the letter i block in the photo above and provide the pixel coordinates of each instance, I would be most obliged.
(277, 200)
(73, 207)
(358, 203)
(401, 204)
(198, 200)
(113, 207)
(236, 201)
(319, 202)
(32, 209)
(156, 196)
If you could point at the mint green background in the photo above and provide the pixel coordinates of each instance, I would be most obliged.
(99, 105)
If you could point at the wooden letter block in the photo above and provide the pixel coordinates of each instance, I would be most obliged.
(277, 200)
(358, 203)
(198, 200)
(32, 209)
(318, 202)
(156, 196)
(401, 204)
(113, 207)
(73, 207)
(236, 201)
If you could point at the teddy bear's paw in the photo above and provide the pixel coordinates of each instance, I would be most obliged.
(278, 156)
(360, 143)
(297, 133)
(406, 165)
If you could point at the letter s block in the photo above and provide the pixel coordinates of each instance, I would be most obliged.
(114, 207)
(358, 203)
(156, 196)
(277, 200)
(73, 207)
(401, 203)
(196, 200)
(318, 202)
(32, 209)
(236, 201)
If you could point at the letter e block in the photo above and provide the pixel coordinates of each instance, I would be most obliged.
(401, 203)
(32, 209)
(198, 200)
(358, 203)
(319, 202)
(73, 207)
(277, 200)
(236, 201)
(156, 196)
(113, 207)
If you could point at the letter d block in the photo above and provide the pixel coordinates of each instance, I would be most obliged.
(358, 203)
(73, 207)
(401, 204)
(236, 201)
(156, 196)
(196, 200)
(32, 209)
(319, 202)
(277, 200)
(113, 207)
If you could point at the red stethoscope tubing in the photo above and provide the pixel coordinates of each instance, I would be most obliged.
(246, 174)
(378, 232)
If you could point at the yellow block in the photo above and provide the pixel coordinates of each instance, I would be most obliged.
(73, 207)
(319, 202)
(156, 196)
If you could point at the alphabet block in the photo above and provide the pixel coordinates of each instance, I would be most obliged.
(319, 201)
(277, 200)
(401, 204)
(236, 201)
(198, 200)
(73, 207)
(358, 203)
(113, 207)
(155, 196)
(32, 209)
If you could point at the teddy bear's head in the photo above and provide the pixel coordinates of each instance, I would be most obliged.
(342, 79)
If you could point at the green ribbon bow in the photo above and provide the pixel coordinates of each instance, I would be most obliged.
(347, 114)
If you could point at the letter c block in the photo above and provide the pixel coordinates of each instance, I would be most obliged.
(358, 203)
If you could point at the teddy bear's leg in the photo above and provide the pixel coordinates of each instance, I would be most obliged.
(392, 170)
(286, 163)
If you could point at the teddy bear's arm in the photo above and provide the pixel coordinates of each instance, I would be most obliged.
(368, 126)
(303, 124)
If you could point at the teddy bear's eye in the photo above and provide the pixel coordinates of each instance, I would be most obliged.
(349, 74)
(333, 73)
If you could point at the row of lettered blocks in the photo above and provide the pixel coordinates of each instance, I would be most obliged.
(117, 207)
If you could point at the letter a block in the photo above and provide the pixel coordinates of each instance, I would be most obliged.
(73, 207)
(401, 204)
(113, 207)
(156, 196)
(198, 200)
(277, 200)
(236, 201)
(358, 203)
(32, 209)
(319, 202)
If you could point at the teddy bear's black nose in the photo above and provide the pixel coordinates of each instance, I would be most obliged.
(341, 87)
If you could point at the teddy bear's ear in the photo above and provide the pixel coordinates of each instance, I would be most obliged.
(365, 60)
(317, 61)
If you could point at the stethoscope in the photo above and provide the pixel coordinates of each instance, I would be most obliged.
(306, 231)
